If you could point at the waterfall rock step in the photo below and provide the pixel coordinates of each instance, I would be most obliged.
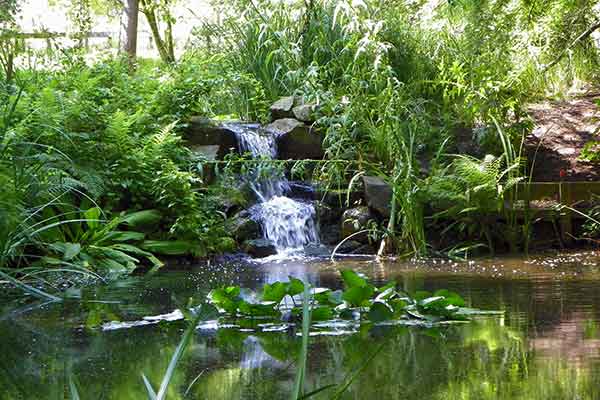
(243, 227)
(205, 136)
(259, 248)
(286, 139)
(296, 140)
(282, 108)
(293, 107)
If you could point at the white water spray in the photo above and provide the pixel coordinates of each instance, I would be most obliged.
(289, 223)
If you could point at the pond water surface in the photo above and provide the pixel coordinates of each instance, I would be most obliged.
(545, 346)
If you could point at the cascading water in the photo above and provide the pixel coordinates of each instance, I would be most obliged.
(289, 223)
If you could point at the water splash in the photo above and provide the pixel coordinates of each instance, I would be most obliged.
(289, 223)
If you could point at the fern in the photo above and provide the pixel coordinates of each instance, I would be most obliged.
(118, 131)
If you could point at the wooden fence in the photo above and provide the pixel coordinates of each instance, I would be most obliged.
(565, 195)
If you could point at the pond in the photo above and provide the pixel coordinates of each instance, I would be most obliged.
(546, 345)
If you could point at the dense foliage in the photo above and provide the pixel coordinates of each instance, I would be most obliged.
(400, 87)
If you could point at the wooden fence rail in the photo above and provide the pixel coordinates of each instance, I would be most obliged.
(566, 194)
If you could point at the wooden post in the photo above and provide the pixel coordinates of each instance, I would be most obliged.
(566, 217)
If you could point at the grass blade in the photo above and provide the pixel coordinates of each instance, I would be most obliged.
(29, 289)
(317, 391)
(73, 389)
(149, 389)
(205, 312)
(354, 375)
(301, 372)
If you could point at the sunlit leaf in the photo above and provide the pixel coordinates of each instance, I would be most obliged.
(352, 279)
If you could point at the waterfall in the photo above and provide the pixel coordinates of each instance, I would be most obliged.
(289, 223)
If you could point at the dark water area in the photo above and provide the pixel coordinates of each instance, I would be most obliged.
(545, 346)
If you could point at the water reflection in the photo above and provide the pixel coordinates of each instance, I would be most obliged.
(546, 346)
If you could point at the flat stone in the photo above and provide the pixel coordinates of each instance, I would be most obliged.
(301, 190)
(378, 195)
(349, 247)
(282, 108)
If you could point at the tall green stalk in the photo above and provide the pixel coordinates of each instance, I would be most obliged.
(302, 357)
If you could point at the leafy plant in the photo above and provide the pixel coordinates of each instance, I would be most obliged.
(92, 243)
(360, 301)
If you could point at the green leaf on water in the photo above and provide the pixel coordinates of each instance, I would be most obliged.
(275, 292)
(322, 313)
(380, 311)
(352, 279)
(451, 297)
(421, 294)
(357, 296)
(257, 309)
(226, 299)
(296, 286)
(328, 298)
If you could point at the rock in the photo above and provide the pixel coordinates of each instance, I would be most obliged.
(330, 234)
(304, 113)
(328, 218)
(355, 220)
(210, 137)
(365, 249)
(282, 108)
(316, 250)
(326, 214)
(300, 190)
(296, 140)
(337, 198)
(259, 248)
(349, 247)
(243, 227)
(378, 195)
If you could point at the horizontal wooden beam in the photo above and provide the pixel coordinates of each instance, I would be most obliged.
(579, 191)
(51, 35)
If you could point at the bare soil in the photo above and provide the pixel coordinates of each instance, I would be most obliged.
(561, 130)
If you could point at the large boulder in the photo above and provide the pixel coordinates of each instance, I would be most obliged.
(259, 248)
(282, 108)
(208, 137)
(296, 140)
(378, 195)
(355, 220)
(243, 227)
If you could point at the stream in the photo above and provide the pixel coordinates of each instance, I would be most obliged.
(545, 346)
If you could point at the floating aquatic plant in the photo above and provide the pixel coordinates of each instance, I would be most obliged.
(359, 301)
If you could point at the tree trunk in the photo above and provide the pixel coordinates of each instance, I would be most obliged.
(132, 29)
(162, 47)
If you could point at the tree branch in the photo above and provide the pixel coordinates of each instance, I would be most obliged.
(579, 38)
